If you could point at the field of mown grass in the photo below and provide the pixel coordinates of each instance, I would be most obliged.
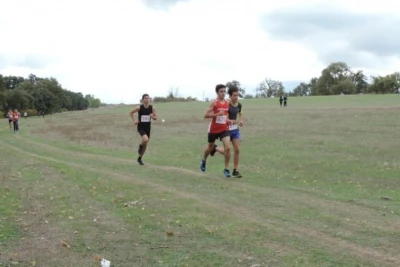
(320, 187)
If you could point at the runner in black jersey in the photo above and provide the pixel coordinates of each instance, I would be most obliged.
(146, 112)
(235, 116)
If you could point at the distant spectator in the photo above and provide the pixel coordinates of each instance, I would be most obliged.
(285, 101)
(280, 100)
(10, 117)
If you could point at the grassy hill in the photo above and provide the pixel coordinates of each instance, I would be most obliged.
(320, 187)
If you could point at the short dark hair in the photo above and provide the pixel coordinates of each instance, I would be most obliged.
(218, 87)
(232, 89)
(143, 96)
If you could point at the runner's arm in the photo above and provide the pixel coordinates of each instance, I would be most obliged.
(209, 111)
(153, 114)
(240, 115)
(133, 111)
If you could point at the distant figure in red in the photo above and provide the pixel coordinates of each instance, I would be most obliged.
(16, 116)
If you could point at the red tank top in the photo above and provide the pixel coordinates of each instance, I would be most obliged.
(219, 124)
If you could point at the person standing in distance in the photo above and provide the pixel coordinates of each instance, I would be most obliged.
(218, 111)
(146, 113)
(235, 117)
(10, 118)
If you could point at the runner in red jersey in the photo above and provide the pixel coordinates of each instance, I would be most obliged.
(218, 111)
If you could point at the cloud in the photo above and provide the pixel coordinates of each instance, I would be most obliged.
(31, 61)
(122, 49)
(161, 4)
(361, 39)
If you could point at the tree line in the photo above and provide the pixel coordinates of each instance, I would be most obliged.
(337, 78)
(41, 96)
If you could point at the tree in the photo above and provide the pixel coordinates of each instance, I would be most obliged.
(313, 86)
(2, 101)
(361, 82)
(388, 84)
(2, 84)
(234, 83)
(18, 99)
(173, 93)
(44, 100)
(42, 94)
(12, 82)
(302, 89)
(32, 78)
(93, 102)
(335, 79)
(269, 88)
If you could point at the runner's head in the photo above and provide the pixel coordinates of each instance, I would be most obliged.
(233, 92)
(145, 99)
(16, 110)
(220, 89)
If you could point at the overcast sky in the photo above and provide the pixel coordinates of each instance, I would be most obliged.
(120, 49)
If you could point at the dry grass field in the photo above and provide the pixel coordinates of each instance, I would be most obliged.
(320, 187)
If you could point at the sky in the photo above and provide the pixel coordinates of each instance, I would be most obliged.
(121, 49)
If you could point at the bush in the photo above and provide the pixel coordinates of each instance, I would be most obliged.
(31, 112)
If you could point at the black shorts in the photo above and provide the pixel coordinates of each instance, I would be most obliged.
(214, 136)
(9, 121)
(144, 131)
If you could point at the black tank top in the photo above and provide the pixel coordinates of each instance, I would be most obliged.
(234, 111)
(144, 116)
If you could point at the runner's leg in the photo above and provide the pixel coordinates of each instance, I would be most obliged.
(211, 143)
(220, 150)
(145, 134)
(236, 148)
(226, 141)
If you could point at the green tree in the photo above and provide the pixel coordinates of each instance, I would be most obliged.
(361, 82)
(3, 101)
(18, 99)
(12, 82)
(313, 86)
(302, 89)
(93, 102)
(44, 100)
(2, 84)
(335, 79)
(388, 84)
(242, 91)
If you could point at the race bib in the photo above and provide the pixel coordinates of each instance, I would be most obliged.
(233, 127)
(145, 118)
(221, 120)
